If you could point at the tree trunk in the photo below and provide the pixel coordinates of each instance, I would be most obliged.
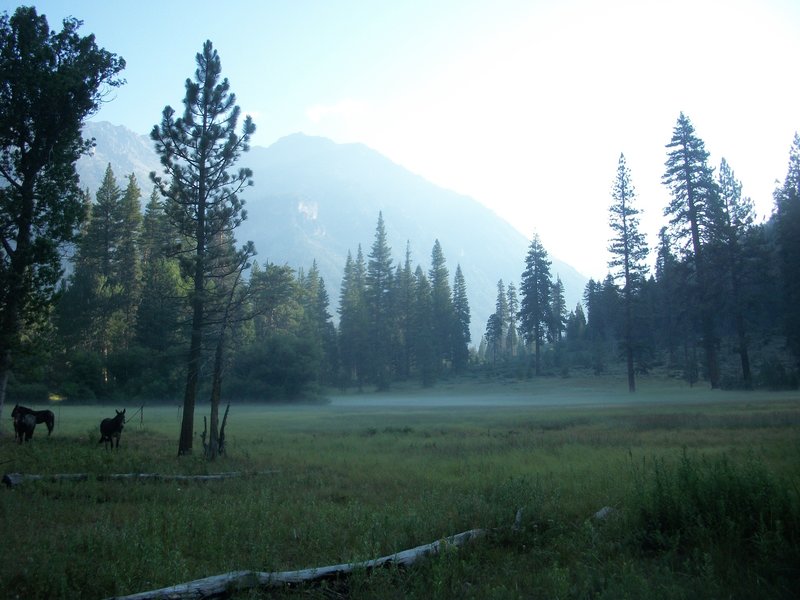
(216, 391)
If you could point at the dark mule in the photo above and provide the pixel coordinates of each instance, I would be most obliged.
(42, 416)
(111, 429)
(24, 424)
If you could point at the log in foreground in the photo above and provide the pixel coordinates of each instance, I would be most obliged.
(236, 581)
(15, 479)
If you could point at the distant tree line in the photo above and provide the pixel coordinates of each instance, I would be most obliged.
(123, 319)
(722, 305)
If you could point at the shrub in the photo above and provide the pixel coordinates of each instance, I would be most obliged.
(741, 517)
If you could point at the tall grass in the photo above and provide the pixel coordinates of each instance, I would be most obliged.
(705, 499)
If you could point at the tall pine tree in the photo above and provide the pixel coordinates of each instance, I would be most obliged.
(694, 212)
(198, 151)
(628, 250)
(534, 314)
(378, 287)
(787, 215)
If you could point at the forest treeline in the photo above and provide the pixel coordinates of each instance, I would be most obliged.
(121, 324)
(722, 304)
(160, 301)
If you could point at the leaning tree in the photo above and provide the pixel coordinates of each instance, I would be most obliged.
(50, 82)
(198, 152)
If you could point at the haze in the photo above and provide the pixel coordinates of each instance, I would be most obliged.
(523, 105)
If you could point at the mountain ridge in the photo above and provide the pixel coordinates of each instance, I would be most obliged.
(314, 200)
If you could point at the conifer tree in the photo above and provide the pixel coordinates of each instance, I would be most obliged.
(628, 250)
(787, 214)
(497, 325)
(534, 313)
(90, 305)
(512, 329)
(353, 334)
(442, 307)
(558, 311)
(694, 213)
(198, 151)
(403, 304)
(425, 358)
(738, 216)
(128, 258)
(461, 336)
(377, 294)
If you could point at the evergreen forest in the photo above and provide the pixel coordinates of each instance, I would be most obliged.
(720, 307)
(123, 291)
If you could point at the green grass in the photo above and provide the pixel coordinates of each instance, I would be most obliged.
(704, 486)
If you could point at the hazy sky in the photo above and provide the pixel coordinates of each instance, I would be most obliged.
(523, 105)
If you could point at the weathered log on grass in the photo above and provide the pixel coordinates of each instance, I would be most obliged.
(236, 581)
(15, 479)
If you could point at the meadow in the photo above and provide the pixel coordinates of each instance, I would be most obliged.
(704, 487)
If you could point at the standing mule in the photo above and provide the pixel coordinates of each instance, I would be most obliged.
(24, 424)
(42, 416)
(111, 429)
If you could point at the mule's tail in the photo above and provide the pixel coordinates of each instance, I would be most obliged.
(50, 422)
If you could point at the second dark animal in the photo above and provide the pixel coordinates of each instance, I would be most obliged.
(111, 429)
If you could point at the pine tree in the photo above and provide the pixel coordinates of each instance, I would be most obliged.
(90, 307)
(628, 250)
(534, 313)
(197, 152)
(694, 213)
(558, 312)
(737, 219)
(378, 286)
(353, 334)
(512, 329)
(497, 324)
(442, 308)
(787, 215)
(128, 258)
(425, 359)
(461, 333)
(403, 304)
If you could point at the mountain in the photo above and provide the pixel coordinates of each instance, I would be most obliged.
(314, 199)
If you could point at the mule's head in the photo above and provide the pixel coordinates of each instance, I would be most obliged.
(121, 415)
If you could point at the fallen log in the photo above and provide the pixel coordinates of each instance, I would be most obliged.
(15, 479)
(236, 581)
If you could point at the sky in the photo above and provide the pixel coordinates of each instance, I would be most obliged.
(525, 106)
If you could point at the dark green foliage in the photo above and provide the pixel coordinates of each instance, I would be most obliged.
(695, 213)
(377, 296)
(197, 151)
(738, 516)
(442, 312)
(281, 367)
(534, 313)
(50, 82)
(787, 217)
(629, 251)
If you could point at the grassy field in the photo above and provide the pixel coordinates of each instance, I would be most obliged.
(705, 489)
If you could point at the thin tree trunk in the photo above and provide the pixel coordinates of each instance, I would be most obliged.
(216, 393)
